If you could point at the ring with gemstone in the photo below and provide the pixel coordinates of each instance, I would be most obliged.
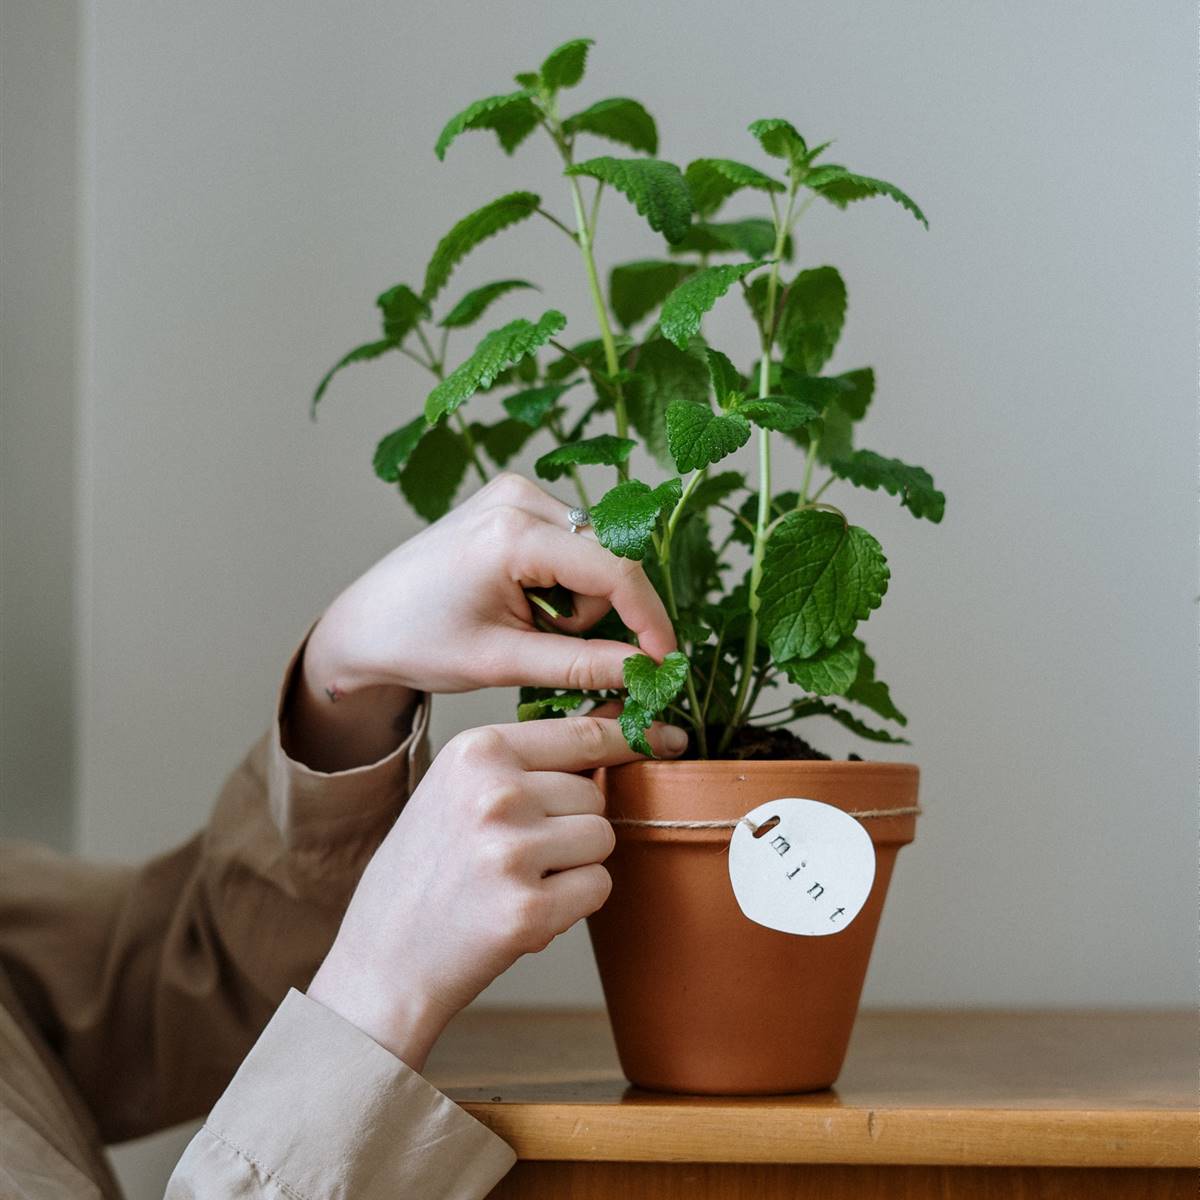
(579, 518)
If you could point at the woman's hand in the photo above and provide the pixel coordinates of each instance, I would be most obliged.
(446, 612)
(497, 852)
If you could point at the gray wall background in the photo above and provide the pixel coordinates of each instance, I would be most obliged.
(201, 202)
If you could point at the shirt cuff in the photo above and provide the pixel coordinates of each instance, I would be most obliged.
(317, 809)
(323, 1110)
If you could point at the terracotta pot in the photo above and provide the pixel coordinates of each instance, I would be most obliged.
(701, 998)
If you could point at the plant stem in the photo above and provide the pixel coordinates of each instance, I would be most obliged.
(664, 558)
(572, 470)
(695, 717)
(611, 360)
(435, 364)
(555, 221)
(712, 676)
(585, 235)
(809, 463)
(465, 430)
(782, 229)
(823, 489)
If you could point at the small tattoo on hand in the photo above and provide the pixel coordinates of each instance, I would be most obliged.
(334, 693)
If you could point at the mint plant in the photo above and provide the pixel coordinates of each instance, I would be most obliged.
(647, 372)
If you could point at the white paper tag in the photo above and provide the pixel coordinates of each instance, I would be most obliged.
(810, 874)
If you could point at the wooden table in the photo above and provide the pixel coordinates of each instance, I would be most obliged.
(930, 1104)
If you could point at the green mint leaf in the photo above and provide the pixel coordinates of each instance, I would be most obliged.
(474, 228)
(500, 349)
(822, 708)
(638, 288)
(503, 440)
(698, 437)
(358, 354)
(654, 685)
(512, 118)
(475, 303)
(713, 180)
(780, 413)
(751, 236)
(715, 489)
(828, 672)
(564, 66)
(625, 517)
(914, 485)
(854, 395)
(780, 140)
(619, 120)
(684, 308)
(655, 188)
(841, 187)
(726, 379)
(604, 450)
(634, 721)
(531, 405)
(434, 471)
(662, 374)
(393, 451)
(873, 693)
(811, 317)
(837, 435)
(401, 308)
(549, 706)
(820, 577)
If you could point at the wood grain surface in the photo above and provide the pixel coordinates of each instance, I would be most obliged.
(951, 1089)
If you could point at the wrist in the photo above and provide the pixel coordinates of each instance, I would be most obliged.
(402, 1021)
(336, 719)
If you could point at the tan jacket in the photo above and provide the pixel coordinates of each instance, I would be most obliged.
(130, 995)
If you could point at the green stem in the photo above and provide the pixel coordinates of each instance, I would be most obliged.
(555, 221)
(572, 470)
(695, 717)
(782, 229)
(712, 676)
(585, 235)
(810, 462)
(435, 364)
(465, 430)
(823, 488)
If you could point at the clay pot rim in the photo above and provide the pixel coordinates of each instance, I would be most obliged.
(819, 765)
(650, 777)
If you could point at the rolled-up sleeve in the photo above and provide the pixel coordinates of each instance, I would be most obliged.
(150, 984)
(320, 1110)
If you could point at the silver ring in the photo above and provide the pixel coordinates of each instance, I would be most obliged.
(579, 518)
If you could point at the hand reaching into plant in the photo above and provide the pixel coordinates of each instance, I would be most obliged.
(449, 611)
(496, 853)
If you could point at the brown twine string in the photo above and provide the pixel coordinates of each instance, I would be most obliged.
(863, 814)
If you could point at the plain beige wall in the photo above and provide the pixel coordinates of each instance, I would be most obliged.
(253, 175)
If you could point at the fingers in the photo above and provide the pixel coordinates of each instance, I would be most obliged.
(550, 555)
(565, 842)
(583, 743)
(556, 660)
(571, 895)
(558, 794)
(588, 610)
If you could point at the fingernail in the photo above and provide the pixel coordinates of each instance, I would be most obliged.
(674, 739)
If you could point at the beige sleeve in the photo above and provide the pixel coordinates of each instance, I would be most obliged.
(320, 1110)
(150, 983)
